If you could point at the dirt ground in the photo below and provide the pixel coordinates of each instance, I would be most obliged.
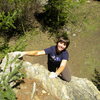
(32, 90)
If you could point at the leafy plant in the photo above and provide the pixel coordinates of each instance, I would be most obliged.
(19, 46)
(10, 74)
(96, 79)
(7, 94)
(7, 21)
(59, 12)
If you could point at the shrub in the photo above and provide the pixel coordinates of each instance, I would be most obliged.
(10, 74)
(96, 79)
(16, 17)
(59, 12)
(18, 46)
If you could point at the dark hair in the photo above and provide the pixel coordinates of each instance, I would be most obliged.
(64, 40)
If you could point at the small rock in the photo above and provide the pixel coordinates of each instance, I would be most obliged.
(74, 34)
(44, 92)
(48, 93)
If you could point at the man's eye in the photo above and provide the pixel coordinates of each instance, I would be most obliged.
(64, 44)
(61, 42)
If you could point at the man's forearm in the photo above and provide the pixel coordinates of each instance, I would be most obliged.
(31, 53)
(60, 69)
(35, 53)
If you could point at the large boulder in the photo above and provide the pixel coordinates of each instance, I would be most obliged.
(76, 89)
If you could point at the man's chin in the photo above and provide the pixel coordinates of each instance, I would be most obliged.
(60, 50)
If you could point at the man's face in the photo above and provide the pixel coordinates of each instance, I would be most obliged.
(61, 46)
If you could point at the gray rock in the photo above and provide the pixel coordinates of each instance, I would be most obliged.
(76, 89)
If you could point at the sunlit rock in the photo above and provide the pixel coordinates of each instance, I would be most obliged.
(76, 89)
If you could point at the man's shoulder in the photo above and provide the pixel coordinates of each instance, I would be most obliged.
(65, 51)
(53, 47)
(65, 55)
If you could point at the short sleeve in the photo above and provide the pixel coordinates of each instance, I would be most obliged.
(65, 55)
(48, 50)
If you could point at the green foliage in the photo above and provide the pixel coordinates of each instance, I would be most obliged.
(18, 0)
(7, 94)
(9, 13)
(96, 79)
(7, 21)
(3, 50)
(8, 18)
(7, 77)
(59, 12)
(19, 46)
(16, 17)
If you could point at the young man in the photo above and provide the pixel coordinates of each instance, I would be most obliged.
(57, 58)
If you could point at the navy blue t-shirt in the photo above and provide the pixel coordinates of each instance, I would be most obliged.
(55, 59)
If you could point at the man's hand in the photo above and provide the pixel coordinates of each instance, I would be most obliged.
(53, 75)
(21, 54)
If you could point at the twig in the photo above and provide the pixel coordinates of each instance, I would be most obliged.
(33, 90)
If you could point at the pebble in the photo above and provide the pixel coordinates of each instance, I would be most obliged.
(44, 92)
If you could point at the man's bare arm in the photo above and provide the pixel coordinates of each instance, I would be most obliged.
(62, 67)
(35, 53)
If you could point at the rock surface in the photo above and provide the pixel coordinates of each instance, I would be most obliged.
(76, 89)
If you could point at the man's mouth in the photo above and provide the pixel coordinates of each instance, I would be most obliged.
(60, 48)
